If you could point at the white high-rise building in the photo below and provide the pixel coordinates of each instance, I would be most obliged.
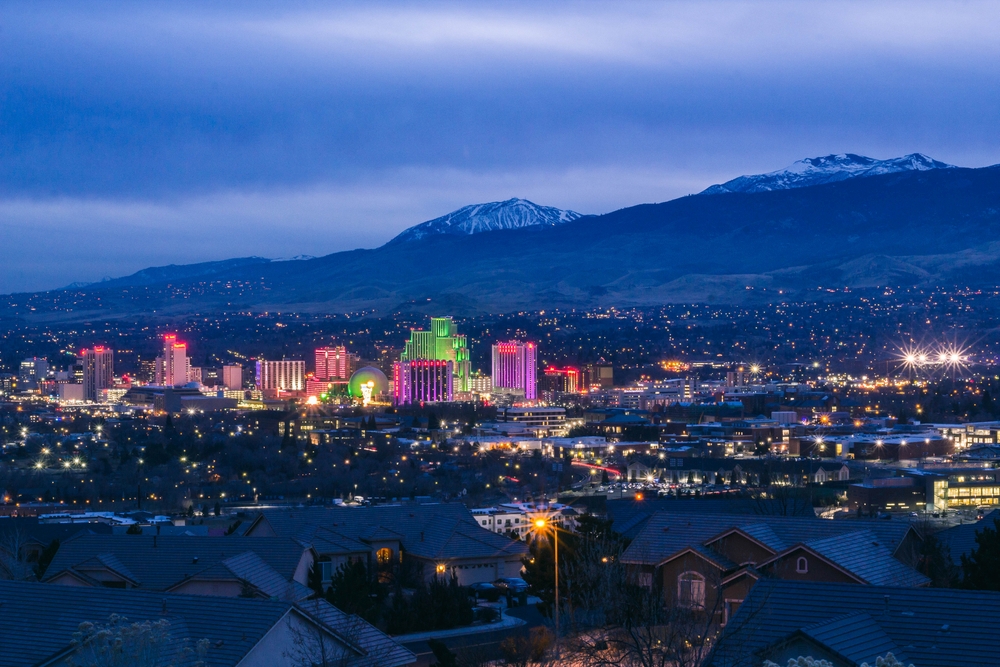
(98, 371)
(173, 367)
(281, 375)
(232, 377)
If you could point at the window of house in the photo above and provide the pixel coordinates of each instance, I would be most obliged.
(384, 556)
(326, 570)
(646, 579)
(802, 565)
(691, 590)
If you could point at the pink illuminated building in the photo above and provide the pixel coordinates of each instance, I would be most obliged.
(514, 369)
(422, 381)
(173, 366)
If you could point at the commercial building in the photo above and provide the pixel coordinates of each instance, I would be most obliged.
(282, 375)
(441, 343)
(423, 381)
(32, 371)
(334, 364)
(514, 369)
(535, 416)
(561, 380)
(232, 377)
(98, 371)
(173, 366)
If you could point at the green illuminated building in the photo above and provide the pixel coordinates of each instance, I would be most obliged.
(441, 343)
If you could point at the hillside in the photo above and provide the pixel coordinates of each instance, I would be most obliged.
(935, 227)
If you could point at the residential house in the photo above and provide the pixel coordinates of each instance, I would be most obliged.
(41, 621)
(222, 566)
(432, 539)
(848, 625)
(710, 562)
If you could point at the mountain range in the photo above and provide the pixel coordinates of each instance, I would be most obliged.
(510, 214)
(925, 226)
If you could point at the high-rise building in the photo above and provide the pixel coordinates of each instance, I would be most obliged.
(514, 369)
(98, 371)
(427, 381)
(441, 343)
(172, 367)
(561, 380)
(232, 377)
(32, 372)
(334, 364)
(281, 375)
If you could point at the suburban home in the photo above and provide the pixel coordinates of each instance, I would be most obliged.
(222, 566)
(848, 625)
(432, 539)
(42, 619)
(710, 562)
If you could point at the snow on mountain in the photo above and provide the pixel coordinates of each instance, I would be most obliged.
(828, 169)
(510, 214)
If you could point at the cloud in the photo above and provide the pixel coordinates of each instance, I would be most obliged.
(208, 130)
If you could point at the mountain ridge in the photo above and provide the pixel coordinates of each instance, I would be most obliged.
(825, 169)
(911, 228)
(512, 213)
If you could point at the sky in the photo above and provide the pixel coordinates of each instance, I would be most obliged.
(153, 133)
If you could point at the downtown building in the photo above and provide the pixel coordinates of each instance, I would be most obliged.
(441, 343)
(98, 371)
(173, 367)
(281, 375)
(334, 366)
(423, 381)
(515, 369)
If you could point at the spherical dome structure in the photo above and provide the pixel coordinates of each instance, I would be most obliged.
(368, 380)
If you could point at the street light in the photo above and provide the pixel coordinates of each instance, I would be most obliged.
(540, 526)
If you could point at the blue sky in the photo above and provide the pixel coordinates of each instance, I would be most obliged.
(138, 134)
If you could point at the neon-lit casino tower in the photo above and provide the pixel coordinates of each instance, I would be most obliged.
(441, 343)
(515, 368)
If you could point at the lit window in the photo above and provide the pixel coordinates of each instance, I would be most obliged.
(384, 556)
(691, 590)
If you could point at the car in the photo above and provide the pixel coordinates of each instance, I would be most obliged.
(482, 586)
(511, 584)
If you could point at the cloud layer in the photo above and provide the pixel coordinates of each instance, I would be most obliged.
(138, 134)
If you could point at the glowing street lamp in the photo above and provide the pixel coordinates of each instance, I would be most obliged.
(541, 525)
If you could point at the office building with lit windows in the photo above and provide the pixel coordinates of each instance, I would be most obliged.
(334, 364)
(423, 381)
(281, 375)
(98, 371)
(514, 369)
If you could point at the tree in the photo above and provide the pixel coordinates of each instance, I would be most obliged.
(44, 558)
(315, 578)
(444, 657)
(981, 568)
(354, 590)
(934, 562)
(14, 563)
(118, 643)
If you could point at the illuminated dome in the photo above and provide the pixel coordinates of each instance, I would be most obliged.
(367, 377)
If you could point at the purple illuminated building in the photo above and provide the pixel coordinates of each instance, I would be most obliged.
(514, 368)
(421, 380)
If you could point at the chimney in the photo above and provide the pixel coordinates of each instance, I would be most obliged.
(164, 606)
(194, 561)
(154, 541)
(421, 536)
(886, 605)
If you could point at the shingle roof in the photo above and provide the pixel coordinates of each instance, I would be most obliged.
(855, 636)
(252, 568)
(172, 560)
(40, 619)
(666, 532)
(380, 649)
(961, 540)
(863, 554)
(933, 627)
(443, 531)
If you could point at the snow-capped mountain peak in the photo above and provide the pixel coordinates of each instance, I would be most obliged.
(826, 169)
(510, 214)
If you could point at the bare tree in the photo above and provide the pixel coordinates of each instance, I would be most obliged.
(118, 643)
(14, 563)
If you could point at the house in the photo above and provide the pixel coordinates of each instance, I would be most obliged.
(710, 562)
(222, 566)
(30, 537)
(848, 625)
(41, 621)
(432, 539)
